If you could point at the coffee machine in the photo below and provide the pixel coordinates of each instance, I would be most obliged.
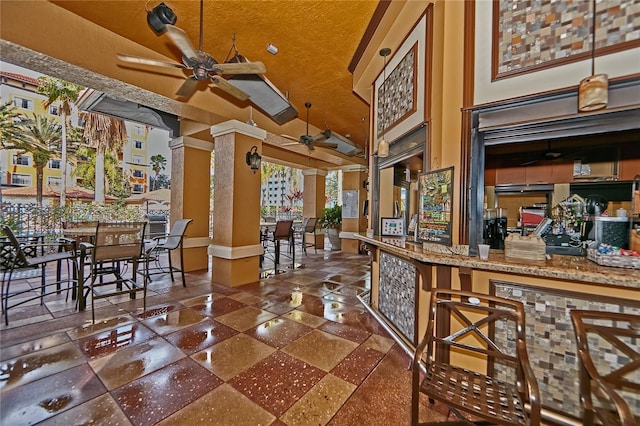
(494, 227)
(595, 205)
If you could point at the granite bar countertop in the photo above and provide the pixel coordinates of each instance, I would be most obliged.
(569, 268)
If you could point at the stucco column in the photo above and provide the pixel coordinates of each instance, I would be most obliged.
(190, 171)
(352, 179)
(236, 247)
(314, 198)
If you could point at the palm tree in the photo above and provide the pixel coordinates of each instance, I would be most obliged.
(158, 164)
(57, 90)
(9, 127)
(41, 137)
(115, 185)
(103, 133)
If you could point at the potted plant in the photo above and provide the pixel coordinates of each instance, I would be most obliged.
(331, 220)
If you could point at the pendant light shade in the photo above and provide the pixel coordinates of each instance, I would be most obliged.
(383, 148)
(593, 92)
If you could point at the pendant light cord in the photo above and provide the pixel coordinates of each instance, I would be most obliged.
(593, 39)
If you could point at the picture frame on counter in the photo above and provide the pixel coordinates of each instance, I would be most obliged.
(392, 226)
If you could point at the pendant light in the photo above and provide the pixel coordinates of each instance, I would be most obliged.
(593, 90)
(383, 144)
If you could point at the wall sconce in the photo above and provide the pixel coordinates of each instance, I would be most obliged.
(254, 159)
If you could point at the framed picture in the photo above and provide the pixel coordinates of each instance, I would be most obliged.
(435, 199)
(391, 226)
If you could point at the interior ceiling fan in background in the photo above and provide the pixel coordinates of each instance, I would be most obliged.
(203, 65)
(312, 141)
(548, 155)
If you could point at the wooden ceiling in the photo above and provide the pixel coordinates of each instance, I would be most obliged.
(316, 41)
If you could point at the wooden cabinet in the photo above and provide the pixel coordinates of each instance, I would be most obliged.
(541, 173)
(629, 168)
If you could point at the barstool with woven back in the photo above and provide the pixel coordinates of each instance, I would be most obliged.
(469, 329)
(608, 346)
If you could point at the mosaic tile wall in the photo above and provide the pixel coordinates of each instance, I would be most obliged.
(538, 32)
(551, 341)
(397, 289)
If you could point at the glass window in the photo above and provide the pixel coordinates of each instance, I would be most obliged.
(22, 180)
(23, 103)
(138, 144)
(138, 173)
(54, 163)
(21, 160)
(53, 109)
(138, 159)
(54, 181)
(137, 188)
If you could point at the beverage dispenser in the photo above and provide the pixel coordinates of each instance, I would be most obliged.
(494, 227)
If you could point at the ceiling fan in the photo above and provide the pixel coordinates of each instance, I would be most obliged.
(203, 65)
(311, 141)
(548, 155)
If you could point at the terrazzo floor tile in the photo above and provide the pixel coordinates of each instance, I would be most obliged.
(245, 318)
(246, 298)
(379, 343)
(278, 332)
(110, 341)
(224, 360)
(217, 307)
(36, 401)
(277, 382)
(33, 346)
(157, 395)
(305, 318)
(320, 404)
(36, 365)
(102, 410)
(174, 321)
(320, 349)
(358, 364)
(275, 307)
(204, 334)
(351, 333)
(135, 361)
(222, 406)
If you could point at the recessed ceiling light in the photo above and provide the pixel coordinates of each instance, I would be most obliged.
(272, 49)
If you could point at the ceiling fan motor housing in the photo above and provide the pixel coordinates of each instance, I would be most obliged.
(160, 16)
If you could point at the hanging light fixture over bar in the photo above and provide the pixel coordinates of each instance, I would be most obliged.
(593, 90)
(383, 144)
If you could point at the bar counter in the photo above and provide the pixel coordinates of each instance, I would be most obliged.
(572, 268)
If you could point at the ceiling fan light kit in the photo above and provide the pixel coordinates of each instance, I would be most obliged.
(159, 17)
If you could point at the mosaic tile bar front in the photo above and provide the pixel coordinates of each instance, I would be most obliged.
(397, 293)
(551, 341)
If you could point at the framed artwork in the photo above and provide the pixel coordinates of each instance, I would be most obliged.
(435, 199)
(391, 226)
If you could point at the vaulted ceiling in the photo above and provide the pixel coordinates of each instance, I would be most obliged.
(316, 42)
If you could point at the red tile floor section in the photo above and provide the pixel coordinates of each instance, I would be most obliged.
(208, 354)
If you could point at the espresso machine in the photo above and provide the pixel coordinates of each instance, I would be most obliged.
(595, 205)
(494, 227)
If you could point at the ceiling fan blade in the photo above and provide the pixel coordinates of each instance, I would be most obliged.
(182, 42)
(229, 88)
(331, 145)
(145, 61)
(188, 88)
(297, 140)
(318, 138)
(241, 68)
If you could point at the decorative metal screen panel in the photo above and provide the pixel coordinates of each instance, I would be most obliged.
(551, 342)
(397, 293)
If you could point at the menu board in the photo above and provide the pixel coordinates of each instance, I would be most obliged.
(435, 190)
(350, 204)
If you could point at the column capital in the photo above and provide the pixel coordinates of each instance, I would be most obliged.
(187, 141)
(314, 172)
(235, 126)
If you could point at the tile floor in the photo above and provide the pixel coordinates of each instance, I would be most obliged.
(211, 355)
